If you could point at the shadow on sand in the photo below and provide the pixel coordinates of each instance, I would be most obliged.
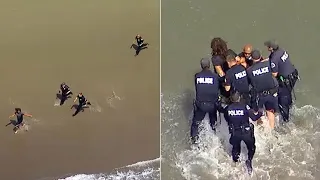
(138, 49)
(61, 98)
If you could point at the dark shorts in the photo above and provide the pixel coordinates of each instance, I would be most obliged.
(269, 102)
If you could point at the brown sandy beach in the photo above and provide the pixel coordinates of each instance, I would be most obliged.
(86, 44)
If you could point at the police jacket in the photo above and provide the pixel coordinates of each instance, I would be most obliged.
(207, 86)
(236, 77)
(281, 63)
(260, 76)
(237, 115)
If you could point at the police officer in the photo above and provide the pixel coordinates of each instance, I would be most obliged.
(82, 103)
(236, 79)
(237, 115)
(286, 74)
(207, 93)
(65, 92)
(19, 114)
(264, 86)
(140, 44)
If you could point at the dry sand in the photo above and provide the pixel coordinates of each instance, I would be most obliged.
(86, 44)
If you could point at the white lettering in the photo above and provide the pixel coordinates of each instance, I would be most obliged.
(235, 113)
(260, 71)
(273, 65)
(285, 56)
(204, 80)
(240, 75)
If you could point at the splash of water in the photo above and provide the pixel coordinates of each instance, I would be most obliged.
(289, 153)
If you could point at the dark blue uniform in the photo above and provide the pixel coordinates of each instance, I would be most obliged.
(264, 86)
(82, 102)
(236, 77)
(207, 93)
(287, 77)
(65, 92)
(237, 115)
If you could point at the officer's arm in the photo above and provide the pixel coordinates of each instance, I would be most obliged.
(255, 115)
(274, 67)
(75, 99)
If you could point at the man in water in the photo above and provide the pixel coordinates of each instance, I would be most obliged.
(237, 115)
(82, 103)
(245, 56)
(140, 44)
(65, 92)
(19, 116)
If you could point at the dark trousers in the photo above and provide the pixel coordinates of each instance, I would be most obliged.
(64, 96)
(285, 102)
(285, 95)
(79, 107)
(249, 140)
(200, 111)
(140, 47)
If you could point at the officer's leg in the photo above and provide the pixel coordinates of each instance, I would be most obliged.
(79, 108)
(250, 141)
(285, 102)
(235, 141)
(213, 118)
(272, 106)
(198, 116)
(63, 98)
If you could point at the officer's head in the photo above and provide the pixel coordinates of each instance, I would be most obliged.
(138, 36)
(272, 45)
(80, 94)
(247, 50)
(235, 97)
(256, 55)
(231, 60)
(17, 110)
(219, 47)
(205, 63)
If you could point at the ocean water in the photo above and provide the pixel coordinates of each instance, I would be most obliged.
(144, 170)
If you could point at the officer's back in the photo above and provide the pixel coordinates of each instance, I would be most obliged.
(207, 84)
(260, 76)
(236, 76)
(279, 59)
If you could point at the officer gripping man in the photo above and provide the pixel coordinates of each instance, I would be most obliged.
(140, 44)
(285, 73)
(207, 95)
(237, 115)
(264, 86)
(236, 79)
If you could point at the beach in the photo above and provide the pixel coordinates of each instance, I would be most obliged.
(87, 45)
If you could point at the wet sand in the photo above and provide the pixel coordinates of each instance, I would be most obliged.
(85, 44)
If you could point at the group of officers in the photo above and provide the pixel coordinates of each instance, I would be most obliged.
(242, 86)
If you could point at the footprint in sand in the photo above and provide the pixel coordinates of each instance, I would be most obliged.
(110, 100)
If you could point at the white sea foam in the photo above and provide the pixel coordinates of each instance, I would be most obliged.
(144, 170)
